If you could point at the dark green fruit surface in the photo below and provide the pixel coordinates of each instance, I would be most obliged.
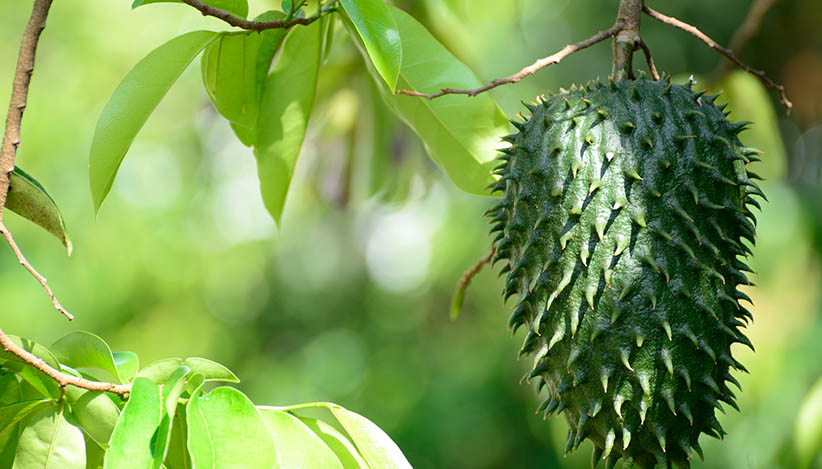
(623, 223)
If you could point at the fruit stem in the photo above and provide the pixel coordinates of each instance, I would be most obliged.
(628, 39)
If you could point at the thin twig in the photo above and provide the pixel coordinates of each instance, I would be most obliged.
(726, 52)
(529, 70)
(62, 379)
(462, 285)
(748, 29)
(242, 23)
(650, 59)
(14, 118)
(7, 234)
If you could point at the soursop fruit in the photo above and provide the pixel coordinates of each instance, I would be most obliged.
(623, 227)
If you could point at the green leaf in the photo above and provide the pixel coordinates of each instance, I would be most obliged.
(225, 430)
(48, 441)
(132, 102)
(288, 97)
(235, 7)
(808, 433)
(94, 454)
(96, 413)
(127, 364)
(9, 389)
(132, 443)
(37, 380)
(12, 414)
(296, 444)
(337, 442)
(376, 447)
(87, 353)
(459, 133)
(378, 31)
(30, 200)
(161, 370)
(172, 391)
(177, 457)
(8, 445)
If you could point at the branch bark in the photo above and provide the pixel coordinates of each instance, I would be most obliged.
(629, 18)
(236, 21)
(62, 379)
(694, 31)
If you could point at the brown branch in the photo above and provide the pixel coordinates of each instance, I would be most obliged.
(236, 21)
(726, 52)
(14, 118)
(527, 71)
(748, 29)
(629, 17)
(62, 379)
(650, 60)
(20, 258)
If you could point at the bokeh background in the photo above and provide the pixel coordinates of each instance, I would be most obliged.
(348, 301)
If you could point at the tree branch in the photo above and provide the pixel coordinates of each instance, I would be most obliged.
(62, 379)
(529, 70)
(650, 60)
(14, 118)
(726, 52)
(748, 29)
(627, 40)
(208, 10)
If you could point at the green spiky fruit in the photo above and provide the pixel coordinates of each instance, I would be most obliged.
(624, 217)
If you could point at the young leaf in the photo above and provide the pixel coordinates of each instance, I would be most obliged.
(49, 441)
(296, 445)
(378, 31)
(288, 97)
(30, 200)
(87, 353)
(132, 102)
(235, 7)
(376, 447)
(225, 430)
(337, 442)
(460, 134)
(96, 413)
(131, 442)
(172, 390)
(127, 364)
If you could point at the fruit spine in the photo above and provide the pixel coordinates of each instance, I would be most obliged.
(623, 220)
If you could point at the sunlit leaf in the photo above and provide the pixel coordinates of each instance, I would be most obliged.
(12, 414)
(127, 364)
(87, 353)
(96, 413)
(235, 7)
(376, 447)
(296, 445)
(378, 31)
(288, 97)
(225, 430)
(341, 446)
(161, 370)
(29, 199)
(48, 441)
(131, 442)
(132, 102)
(459, 133)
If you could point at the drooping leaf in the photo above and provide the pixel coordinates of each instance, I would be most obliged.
(296, 445)
(172, 390)
(161, 370)
(287, 100)
(235, 7)
(131, 443)
(35, 379)
(29, 199)
(96, 413)
(270, 43)
(87, 353)
(225, 430)
(49, 441)
(376, 447)
(127, 364)
(341, 446)
(460, 134)
(378, 31)
(132, 102)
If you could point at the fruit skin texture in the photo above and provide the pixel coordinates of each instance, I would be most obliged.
(624, 217)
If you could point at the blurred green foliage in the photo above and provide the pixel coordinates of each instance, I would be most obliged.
(349, 302)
